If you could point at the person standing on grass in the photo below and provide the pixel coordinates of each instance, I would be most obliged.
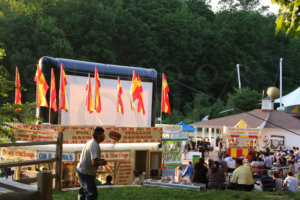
(90, 160)
(268, 161)
(291, 162)
(189, 171)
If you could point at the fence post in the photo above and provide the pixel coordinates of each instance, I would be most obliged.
(59, 150)
(45, 185)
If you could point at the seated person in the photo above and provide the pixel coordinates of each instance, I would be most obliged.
(241, 177)
(278, 182)
(136, 180)
(108, 180)
(291, 182)
(267, 183)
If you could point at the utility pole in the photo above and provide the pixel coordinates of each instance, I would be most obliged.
(239, 77)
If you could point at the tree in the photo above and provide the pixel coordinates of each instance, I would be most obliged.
(243, 99)
(288, 20)
(12, 113)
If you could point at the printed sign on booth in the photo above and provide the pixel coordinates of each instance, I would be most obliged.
(111, 155)
(69, 157)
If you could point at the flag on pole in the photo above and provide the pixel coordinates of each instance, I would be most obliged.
(17, 90)
(63, 101)
(134, 90)
(165, 104)
(41, 88)
(89, 96)
(141, 107)
(53, 103)
(97, 92)
(120, 100)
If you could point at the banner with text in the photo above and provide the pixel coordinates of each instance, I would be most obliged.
(172, 159)
(111, 155)
(81, 134)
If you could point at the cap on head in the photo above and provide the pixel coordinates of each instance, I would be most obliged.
(98, 131)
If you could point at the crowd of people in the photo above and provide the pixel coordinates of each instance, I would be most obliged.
(202, 146)
(266, 171)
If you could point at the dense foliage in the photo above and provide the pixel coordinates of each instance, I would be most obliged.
(288, 20)
(11, 113)
(196, 48)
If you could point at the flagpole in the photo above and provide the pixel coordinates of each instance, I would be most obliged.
(162, 84)
(50, 97)
(36, 92)
(59, 98)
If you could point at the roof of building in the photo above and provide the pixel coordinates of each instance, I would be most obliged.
(254, 119)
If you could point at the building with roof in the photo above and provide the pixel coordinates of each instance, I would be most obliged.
(256, 128)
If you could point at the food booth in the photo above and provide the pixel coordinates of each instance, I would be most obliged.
(137, 149)
(240, 139)
(172, 145)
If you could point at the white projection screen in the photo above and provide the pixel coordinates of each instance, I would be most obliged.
(78, 114)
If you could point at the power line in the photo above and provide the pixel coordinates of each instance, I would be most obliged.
(213, 98)
(253, 68)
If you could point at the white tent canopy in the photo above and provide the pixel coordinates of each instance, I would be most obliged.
(290, 99)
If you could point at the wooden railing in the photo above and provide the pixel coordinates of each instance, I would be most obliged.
(57, 159)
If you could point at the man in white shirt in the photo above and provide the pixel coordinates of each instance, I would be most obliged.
(291, 182)
(230, 163)
(90, 160)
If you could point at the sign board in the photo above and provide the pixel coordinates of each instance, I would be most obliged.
(175, 136)
(18, 153)
(242, 132)
(170, 128)
(172, 159)
(195, 158)
(69, 157)
(111, 155)
(81, 134)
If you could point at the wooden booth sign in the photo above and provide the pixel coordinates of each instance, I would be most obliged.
(18, 153)
(81, 134)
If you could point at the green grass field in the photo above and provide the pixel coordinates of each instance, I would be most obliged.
(159, 193)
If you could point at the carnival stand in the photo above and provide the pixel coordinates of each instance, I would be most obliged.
(240, 139)
(137, 149)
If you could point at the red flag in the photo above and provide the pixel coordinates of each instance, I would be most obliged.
(120, 100)
(89, 97)
(63, 101)
(41, 89)
(165, 104)
(97, 92)
(163, 165)
(17, 90)
(141, 107)
(134, 90)
(53, 103)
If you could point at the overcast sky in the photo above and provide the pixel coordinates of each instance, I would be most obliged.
(273, 7)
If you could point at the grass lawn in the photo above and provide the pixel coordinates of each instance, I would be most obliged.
(159, 193)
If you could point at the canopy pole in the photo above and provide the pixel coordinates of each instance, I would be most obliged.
(280, 64)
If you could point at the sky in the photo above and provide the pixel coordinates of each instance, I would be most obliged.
(273, 7)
